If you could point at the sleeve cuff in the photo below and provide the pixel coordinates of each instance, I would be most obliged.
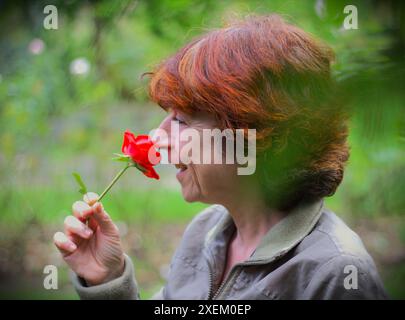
(122, 288)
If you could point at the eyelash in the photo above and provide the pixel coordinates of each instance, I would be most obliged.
(178, 120)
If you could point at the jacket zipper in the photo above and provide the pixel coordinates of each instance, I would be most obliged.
(225, 282)
(230, 276)
(211, 295)
(211, 286)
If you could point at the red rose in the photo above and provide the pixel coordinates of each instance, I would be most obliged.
(143, 153)
(139, 152)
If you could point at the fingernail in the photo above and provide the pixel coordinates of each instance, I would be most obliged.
(97, 206)
(88, 232)
(72, 247)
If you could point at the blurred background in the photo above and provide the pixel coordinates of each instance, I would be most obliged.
(67, 95)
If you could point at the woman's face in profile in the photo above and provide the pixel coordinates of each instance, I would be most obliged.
(208, 182)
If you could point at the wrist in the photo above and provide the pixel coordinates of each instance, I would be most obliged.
(118, 272)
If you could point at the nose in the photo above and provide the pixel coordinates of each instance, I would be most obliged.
(162, 134)
(162, 139)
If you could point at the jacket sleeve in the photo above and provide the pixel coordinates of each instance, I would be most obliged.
(122, 288)
(346, 277)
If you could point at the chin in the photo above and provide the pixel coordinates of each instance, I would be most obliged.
(195, 197)
(189, 197)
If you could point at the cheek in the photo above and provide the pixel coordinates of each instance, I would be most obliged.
(201, 175)
(190, 148)
(214, 177)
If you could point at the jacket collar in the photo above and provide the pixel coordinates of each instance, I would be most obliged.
(280, 239)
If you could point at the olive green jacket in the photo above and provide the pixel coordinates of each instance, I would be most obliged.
(310, 254)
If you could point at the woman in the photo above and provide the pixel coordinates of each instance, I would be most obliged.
(267, 235)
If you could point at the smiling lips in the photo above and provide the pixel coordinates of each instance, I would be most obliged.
(181, 167)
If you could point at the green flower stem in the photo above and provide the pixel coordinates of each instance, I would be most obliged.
(119, 174)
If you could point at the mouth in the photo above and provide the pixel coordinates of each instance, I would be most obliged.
(181, 167)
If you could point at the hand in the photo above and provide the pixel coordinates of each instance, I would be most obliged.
(92, 251)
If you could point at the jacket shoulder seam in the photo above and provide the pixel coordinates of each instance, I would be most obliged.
(332, 259)
(338, 250)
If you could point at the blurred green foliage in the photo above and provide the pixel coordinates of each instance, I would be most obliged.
(66, 96)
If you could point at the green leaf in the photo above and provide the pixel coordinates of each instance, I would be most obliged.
(78, 178)
(121, 157)
(139, 167)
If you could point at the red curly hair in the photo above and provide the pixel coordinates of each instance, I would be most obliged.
(266, 74)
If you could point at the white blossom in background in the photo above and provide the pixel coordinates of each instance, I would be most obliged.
(320, 8)
(36, 46)
(79, 66)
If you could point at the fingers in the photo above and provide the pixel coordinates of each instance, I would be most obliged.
(64, 244)
(73, 226)
(98, 216)
(90, 198)
(103, 219)
(81, 210)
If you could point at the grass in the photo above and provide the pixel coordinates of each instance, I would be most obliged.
(155, 220)
(48, 206)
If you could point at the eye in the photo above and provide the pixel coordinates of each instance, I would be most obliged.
(178, 119)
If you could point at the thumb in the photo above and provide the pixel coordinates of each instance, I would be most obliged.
(103, 219)
(90, 198)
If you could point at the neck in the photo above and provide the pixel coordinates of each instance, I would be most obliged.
(253, 219)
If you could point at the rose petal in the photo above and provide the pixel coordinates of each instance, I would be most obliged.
(138, 149)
